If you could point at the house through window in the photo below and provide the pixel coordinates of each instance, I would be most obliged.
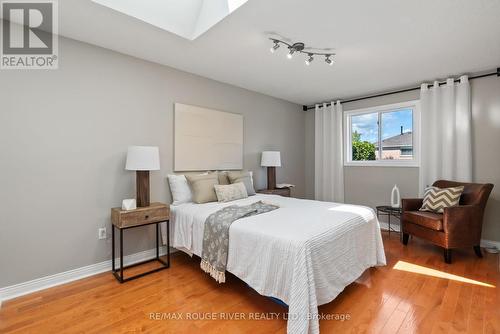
(384, 135)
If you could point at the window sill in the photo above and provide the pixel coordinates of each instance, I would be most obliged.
(381, 164)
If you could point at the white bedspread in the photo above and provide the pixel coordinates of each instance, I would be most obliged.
(305, 253)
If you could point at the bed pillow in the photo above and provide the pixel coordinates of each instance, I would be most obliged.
(202, 187)
(230, 192)
(222, 176)
(244, 177)
(179, 187)
(436, 199)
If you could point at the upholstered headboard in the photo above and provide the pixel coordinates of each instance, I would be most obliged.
(207, 139)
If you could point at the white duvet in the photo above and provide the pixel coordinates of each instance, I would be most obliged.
(304, 253)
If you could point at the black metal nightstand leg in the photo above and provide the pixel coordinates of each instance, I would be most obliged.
(157, 241)
(389, 223)
(113, 248)
(168, 242)
(121, 255)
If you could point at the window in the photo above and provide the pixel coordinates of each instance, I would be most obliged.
(382, 136)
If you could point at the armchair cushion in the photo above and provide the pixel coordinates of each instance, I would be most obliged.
(430, 220)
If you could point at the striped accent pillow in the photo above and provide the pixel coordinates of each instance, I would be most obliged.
(436, 199)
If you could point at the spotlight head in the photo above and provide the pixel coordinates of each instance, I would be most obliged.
(275, 46)
(310, 59)
(328, 60)
(290, 53)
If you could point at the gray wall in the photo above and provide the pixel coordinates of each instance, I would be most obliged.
(372, 185)
(63, 141)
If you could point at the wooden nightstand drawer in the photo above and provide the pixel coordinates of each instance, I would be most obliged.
(156, 212)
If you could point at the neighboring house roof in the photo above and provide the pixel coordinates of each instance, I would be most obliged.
(402, 140)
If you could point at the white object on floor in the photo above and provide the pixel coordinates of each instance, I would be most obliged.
(446, 137)
(395, 197)
(129, 204)
(328, 156)
(492, 250)
(305, 253)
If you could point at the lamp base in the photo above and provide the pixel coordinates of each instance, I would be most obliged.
(142, 188)
(271, 178)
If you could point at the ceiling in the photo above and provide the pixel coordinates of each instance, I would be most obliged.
(380, 45)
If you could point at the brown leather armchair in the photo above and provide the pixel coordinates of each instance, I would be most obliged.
(457, 227)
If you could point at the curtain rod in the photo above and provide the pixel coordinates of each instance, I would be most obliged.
(306, 108)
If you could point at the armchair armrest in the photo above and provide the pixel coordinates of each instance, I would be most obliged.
(463, 222)
(411, 204)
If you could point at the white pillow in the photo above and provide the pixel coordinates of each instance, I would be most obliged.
(179, 187)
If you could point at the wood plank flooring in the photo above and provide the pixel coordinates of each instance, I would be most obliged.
(384, 300)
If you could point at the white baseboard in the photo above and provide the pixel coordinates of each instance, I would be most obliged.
(25, 288)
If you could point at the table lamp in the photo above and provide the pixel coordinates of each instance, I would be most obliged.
(143, 159)
(271, 160)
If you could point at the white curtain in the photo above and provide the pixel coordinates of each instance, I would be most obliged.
(446, 148)
(328, 158)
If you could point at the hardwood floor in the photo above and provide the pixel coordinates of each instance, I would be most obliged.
(383, 300)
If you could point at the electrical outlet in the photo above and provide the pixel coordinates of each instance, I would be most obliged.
(102, 233)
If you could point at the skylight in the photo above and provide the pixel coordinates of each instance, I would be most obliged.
(186, 18)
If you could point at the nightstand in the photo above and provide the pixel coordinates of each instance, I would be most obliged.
(278, 191)
(156, 213)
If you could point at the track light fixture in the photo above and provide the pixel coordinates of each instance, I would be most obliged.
(275, 46)
(299, 48)
(328, 60)
(310, 59)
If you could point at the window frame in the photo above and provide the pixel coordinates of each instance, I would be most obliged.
(380, 109)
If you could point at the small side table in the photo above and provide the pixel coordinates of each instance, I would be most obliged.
(389, 211)
(156, 213)
(278, 191)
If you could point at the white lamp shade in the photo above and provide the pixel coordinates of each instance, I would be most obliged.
(143, 158)
(271, 159)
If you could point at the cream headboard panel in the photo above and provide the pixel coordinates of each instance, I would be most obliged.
(207, 139)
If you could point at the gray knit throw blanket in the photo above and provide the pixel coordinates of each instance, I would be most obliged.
(216, 236)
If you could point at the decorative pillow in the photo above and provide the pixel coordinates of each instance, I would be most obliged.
(179, 187)
(202, 187)
(436, 199)
(230, 192)
(245, 177)
(222, 176)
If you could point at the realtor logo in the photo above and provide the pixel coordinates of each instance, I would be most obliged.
(29, 35)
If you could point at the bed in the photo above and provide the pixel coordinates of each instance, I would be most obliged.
(304, 253)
